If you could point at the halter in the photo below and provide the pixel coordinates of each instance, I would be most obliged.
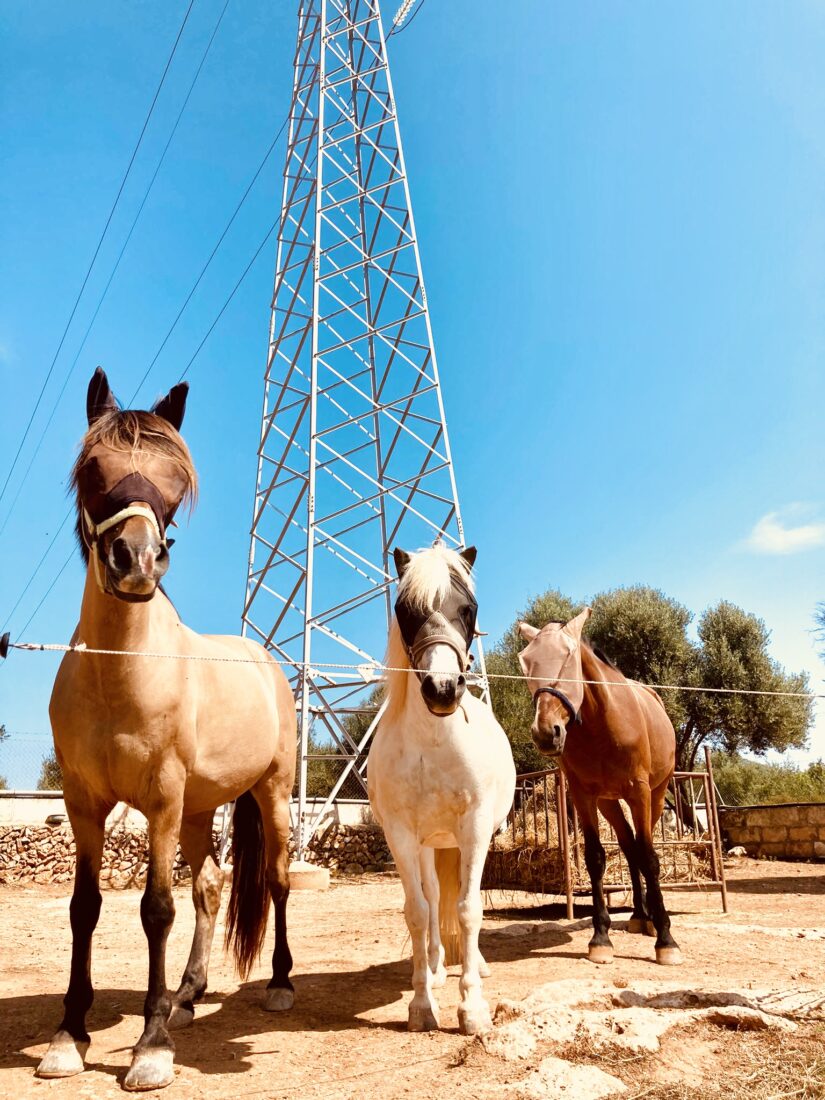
(417, 648)
(575, 715)
(132, 487)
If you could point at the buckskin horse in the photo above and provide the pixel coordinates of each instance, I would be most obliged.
(614, 742)
(441, 778)
(175, 738)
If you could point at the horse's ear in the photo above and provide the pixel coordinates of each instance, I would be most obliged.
(527, 632)
(576, 626)
(402, 560)
(173, 405)
(469, 555)
(99, 397)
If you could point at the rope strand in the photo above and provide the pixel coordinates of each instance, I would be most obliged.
(374, 668)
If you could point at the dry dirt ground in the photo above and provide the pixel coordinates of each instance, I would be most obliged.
(347, 1034)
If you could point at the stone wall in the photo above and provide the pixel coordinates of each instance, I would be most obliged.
(794, 831)
(43, 853)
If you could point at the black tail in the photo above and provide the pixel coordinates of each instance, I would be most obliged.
(249, 898)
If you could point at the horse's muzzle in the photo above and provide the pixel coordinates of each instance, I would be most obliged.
(552, 743)
(442, 694)
(136, 564)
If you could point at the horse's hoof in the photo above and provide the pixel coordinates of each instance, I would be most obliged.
(180, 1016)
(483, 968)
(474, 1021)
(422, 1019)
(669, 956)
(150, 1069)
(439, 976)
(278, 999)
(64, 1058)
(637, 926)
(650, 928)
(600, 953)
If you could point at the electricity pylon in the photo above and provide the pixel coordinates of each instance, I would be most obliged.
(354, 456)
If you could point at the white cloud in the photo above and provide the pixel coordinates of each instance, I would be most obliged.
(776, 533)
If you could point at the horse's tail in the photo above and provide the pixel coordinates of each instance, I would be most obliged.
(249, 898)
(448, 869)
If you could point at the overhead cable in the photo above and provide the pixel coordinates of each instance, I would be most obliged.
(97, 250)
(102, 298)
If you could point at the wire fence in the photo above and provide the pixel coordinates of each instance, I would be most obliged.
(372, 671)
(26, 762)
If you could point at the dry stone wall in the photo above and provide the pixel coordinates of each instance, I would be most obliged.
(43, 853)
(793, 831)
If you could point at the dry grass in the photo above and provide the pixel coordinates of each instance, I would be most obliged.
(528, 855)
(715, 1064)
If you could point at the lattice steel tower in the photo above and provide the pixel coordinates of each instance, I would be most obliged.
(354, 456)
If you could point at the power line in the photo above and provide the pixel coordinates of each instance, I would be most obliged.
(97, 249)
(234, 290)
(37, 568)
(56, 578)
(194, 356)
(114, 269)
(211, 257)
(171, 329)
(401, 26)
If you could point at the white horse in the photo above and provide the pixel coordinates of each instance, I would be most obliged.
(441, 779)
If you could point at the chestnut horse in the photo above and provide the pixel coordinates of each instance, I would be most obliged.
(174, 738)
(441, 778)
(615, 742)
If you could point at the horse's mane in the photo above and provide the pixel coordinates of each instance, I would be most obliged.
(427, 581)
(133, 431)
(602, 656)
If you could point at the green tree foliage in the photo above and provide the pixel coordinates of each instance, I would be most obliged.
(646, 634)
(322, 774)
(743, 782)
(51, 777)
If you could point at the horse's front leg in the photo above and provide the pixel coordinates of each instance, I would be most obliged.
(405, 848)
(152, 1060)
(67, 1050)
(600, 949)
(473, 841)
(435, 950)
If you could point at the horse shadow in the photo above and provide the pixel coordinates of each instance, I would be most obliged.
(226, 1034)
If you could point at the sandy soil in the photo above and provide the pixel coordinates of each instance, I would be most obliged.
(347, 1034)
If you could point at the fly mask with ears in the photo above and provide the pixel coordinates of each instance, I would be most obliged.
(553, 657)
(452, 623)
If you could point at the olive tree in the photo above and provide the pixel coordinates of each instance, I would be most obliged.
(646, 634)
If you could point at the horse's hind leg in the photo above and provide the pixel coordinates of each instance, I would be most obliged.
(647, 808)
(600, 949)
(68, 1048)
(435, 950)
(272, 797)
(207, 882)
(614, 815)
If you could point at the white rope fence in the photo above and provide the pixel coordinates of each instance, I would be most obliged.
(370, 671)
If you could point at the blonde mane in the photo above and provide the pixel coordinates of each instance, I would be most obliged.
(134, 431)
(427, 582)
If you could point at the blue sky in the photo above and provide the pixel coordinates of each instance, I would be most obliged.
(621, 212)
